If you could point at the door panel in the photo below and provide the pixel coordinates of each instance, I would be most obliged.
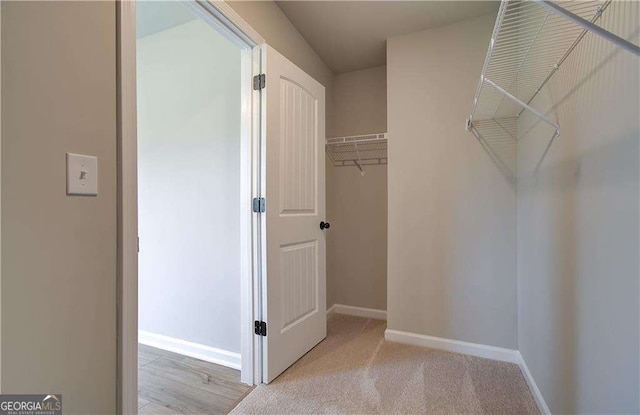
(298, 144)
(299, 282)
(295, 277)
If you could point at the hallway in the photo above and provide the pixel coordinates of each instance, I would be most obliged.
(169, 383)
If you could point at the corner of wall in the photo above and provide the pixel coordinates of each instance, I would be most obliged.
(535, 391)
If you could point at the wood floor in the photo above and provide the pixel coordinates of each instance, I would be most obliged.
(169, 383)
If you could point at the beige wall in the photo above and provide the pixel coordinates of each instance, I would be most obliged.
(360, 102)
(59, 252)
(452, 213)
(578, 241)
(357, 244)
(357, 205)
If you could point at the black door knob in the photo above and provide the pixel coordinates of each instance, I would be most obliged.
(324, 225)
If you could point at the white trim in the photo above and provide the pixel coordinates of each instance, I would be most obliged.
(455, 346)
(331, 311)
(350, 310)
(229, 23)
(537, 395)
(473, 349)
(186, 348)
(247, 171)
(127, 210)
(257, 225)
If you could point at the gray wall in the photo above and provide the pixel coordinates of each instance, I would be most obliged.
(578, 289)
(189, 185)
(452, 212)
(357, 205)
(59, 252)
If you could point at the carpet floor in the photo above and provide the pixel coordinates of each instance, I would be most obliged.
(355, 371)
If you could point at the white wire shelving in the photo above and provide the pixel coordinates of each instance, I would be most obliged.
(530, 41)
(358, 150)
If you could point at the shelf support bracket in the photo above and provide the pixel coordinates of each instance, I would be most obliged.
(618, 41)
(359, 161)
(524, 105)
(359, 166)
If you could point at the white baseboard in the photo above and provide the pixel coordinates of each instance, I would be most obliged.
(456, 346)
(537, 395)
(473, 349)
(198, 351)
(356, 311)
(331, 311)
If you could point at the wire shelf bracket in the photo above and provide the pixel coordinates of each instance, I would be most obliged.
(529, 43)
(357, 150)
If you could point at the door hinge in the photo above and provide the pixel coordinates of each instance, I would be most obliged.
(259, 205)
(259, 81)
(260, 328)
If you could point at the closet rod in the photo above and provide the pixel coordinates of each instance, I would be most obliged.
(618, 41)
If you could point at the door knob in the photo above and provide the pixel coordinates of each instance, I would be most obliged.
(324, 225)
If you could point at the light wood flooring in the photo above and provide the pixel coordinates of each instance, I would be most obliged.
(169, 383)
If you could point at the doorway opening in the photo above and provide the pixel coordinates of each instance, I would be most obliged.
(281, 137)
(195, 178)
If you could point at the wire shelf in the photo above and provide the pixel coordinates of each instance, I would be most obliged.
(530, 41)
(358, 150)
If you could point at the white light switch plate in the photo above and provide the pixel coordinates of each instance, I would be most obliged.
(82, 175)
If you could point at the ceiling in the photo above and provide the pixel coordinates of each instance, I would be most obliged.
(351, 35)
(155, 16)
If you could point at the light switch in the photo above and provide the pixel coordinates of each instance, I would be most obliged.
(82, 175)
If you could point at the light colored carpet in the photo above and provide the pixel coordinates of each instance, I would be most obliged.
(355, 371)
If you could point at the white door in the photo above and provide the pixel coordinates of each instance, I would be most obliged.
(293, 121)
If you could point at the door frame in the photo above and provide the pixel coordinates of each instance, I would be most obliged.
(222, 17)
